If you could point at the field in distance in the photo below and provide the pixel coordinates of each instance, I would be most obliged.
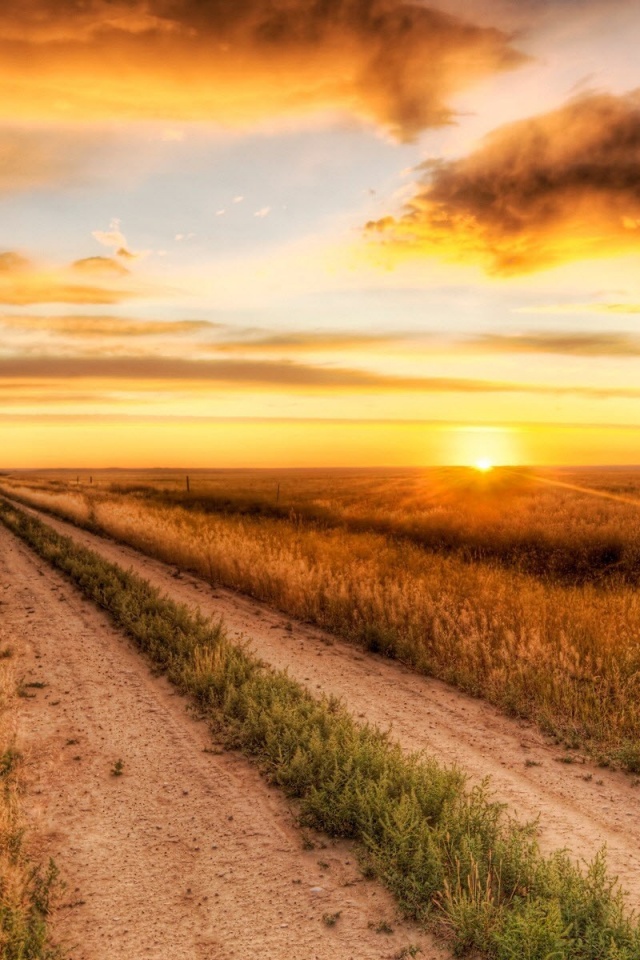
(574, 524)
(515, 585)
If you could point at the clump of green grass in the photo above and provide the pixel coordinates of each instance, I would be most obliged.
(330, 919)
(628, 756)
(452, 858)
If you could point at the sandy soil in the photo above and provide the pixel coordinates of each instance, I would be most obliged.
(580, 806)
(188, 855)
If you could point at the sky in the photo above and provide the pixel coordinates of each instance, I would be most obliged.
(319, 232)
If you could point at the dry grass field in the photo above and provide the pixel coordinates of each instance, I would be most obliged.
(515, 586)
(455, 860)
(574, 525)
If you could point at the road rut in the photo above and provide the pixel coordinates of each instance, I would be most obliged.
(581, 806)
(188, 855)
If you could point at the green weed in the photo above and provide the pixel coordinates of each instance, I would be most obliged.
(330, 919)
(451, 857)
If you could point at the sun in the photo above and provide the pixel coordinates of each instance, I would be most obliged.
(483, 464)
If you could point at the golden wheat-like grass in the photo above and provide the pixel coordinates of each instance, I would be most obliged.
(567, 656)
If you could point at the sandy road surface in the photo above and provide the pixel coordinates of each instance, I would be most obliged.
(581, 806)
(186, 856)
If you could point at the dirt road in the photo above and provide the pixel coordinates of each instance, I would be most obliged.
(581, 806)
(187, 855)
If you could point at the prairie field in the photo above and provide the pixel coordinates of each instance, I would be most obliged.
(458, 864)
(516, 586)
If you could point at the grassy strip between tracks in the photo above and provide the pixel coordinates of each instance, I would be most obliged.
(449, 854)
(25, 889)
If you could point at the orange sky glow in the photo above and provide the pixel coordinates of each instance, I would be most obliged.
(319, 234)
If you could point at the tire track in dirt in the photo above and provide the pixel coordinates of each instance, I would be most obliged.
(581, 806)
(188, 855)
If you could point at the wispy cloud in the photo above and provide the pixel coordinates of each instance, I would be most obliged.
(273, 375)
(567, 343)
(115, 239)
(105, 266)
(23, 282)
(556, 309)
(309, 342)
(82, 327)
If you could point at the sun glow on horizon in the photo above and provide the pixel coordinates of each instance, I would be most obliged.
(262, 265)
(484, 448)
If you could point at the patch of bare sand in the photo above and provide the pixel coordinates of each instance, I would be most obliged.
(188, 855)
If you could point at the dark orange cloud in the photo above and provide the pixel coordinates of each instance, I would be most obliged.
(241, 372)
(396, 62)
(176, 373)
(551, 189)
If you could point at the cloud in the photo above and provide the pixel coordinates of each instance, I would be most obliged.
(566, 343)
(115, 240)
(106, 326)
(396, 62)
(23, 282)
(593, 307)
(38, 397)
(310, 342)
(50, 290)
(11, 262)
(110, 238)
(555, 188)
(176, 373)
(100, 265)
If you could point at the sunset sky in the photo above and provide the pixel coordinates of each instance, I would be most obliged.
(319, 232)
